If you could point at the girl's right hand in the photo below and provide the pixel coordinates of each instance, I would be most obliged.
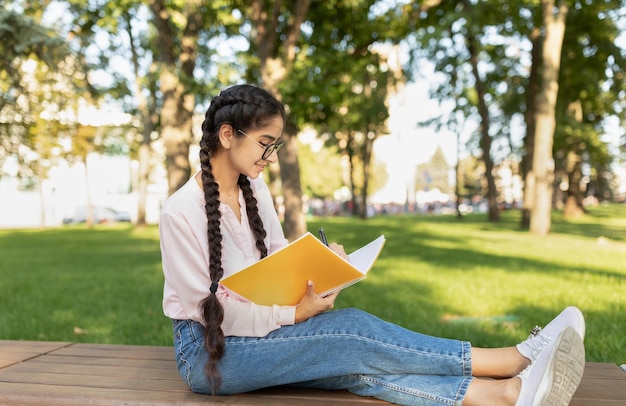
(313, 304)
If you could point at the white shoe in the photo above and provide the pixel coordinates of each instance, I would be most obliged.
(556, 373)
(540, 338)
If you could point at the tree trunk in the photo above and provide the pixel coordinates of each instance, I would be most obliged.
(175, 131)
(543, 161)
(367, 158)
(274, 66)
(574, 201)
(573, 167)
(42, 199)
(90, 217)
(142, 182)
(295, 219)
(458, 175)
(532, 90)
(178, 101)
(354, 209)
(485, 138)
(148, 124)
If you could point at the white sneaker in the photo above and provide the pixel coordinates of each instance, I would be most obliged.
(556, 373)
(540, 338)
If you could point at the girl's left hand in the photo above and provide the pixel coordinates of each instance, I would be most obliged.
(313, 304)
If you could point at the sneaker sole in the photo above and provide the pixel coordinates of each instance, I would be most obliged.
(565, 370)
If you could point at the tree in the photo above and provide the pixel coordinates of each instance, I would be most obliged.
(39, 76)
(483, 111)
(275, 30)
(178, 28)
(460, 40)
(35, 72)
(145, 89)
(554, 20)
(341, 86)
(591, 80)
(533, 87)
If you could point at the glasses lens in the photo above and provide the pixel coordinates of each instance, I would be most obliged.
(269, 150)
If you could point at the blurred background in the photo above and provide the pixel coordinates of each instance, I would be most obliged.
(425, 106)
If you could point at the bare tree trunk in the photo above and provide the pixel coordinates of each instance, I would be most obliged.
(274, 67)
(458, 175)
(574, 201)
(367, 158)
(295, 218)
(485, 138)
(353, 195)
(178, 102)
(42, 199)
(143, 180)
(532, 90)
(90, 219)
(543, 161)
(148, 124)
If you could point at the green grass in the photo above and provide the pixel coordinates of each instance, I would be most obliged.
(468, 279)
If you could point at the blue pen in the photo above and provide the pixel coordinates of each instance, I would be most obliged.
(323, 237)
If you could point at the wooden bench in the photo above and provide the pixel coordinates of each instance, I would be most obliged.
(65, 373)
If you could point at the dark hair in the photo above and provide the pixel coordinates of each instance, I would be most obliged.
(245, 107)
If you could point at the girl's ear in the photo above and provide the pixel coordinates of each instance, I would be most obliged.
(226, 135)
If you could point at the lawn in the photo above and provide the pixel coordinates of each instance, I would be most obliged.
(468, 279)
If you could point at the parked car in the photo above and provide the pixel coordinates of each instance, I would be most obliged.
(100, 215)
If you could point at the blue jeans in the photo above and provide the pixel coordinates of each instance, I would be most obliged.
(343, 349)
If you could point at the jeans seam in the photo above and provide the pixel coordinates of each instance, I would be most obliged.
(408, 391)
(185, 370)
(362, 338)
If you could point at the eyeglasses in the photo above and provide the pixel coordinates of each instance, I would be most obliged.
(268, 149)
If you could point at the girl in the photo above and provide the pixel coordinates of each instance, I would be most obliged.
(223, 220)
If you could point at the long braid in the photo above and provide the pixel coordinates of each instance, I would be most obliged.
(256, 224)
(246, 107)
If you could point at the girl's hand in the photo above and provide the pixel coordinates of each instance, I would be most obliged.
(338, 248)
(313, 304)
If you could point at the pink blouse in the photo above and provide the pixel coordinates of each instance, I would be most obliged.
(185, 259)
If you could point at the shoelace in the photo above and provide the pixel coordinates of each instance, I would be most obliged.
(537, 341)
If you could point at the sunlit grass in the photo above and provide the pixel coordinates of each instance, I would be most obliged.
(467, 279)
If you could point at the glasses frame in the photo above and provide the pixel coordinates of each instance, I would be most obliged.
(269, 149)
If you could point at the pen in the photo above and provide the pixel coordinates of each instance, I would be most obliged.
(323, 237)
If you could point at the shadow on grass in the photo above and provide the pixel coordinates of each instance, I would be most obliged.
(411, 300)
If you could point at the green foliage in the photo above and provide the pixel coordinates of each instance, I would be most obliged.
(484, 282)
(22, 38)
(37, 80)
(591, 73)
(321, 171)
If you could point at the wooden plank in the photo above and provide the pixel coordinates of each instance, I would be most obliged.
(14, 351)
(141, 370)
(40, 347)
(71, 361)
(29, 394)
(94, 381)
(603, 384)
(103, 374)
(118, 351)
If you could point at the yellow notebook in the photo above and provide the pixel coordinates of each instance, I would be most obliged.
(280, 278)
